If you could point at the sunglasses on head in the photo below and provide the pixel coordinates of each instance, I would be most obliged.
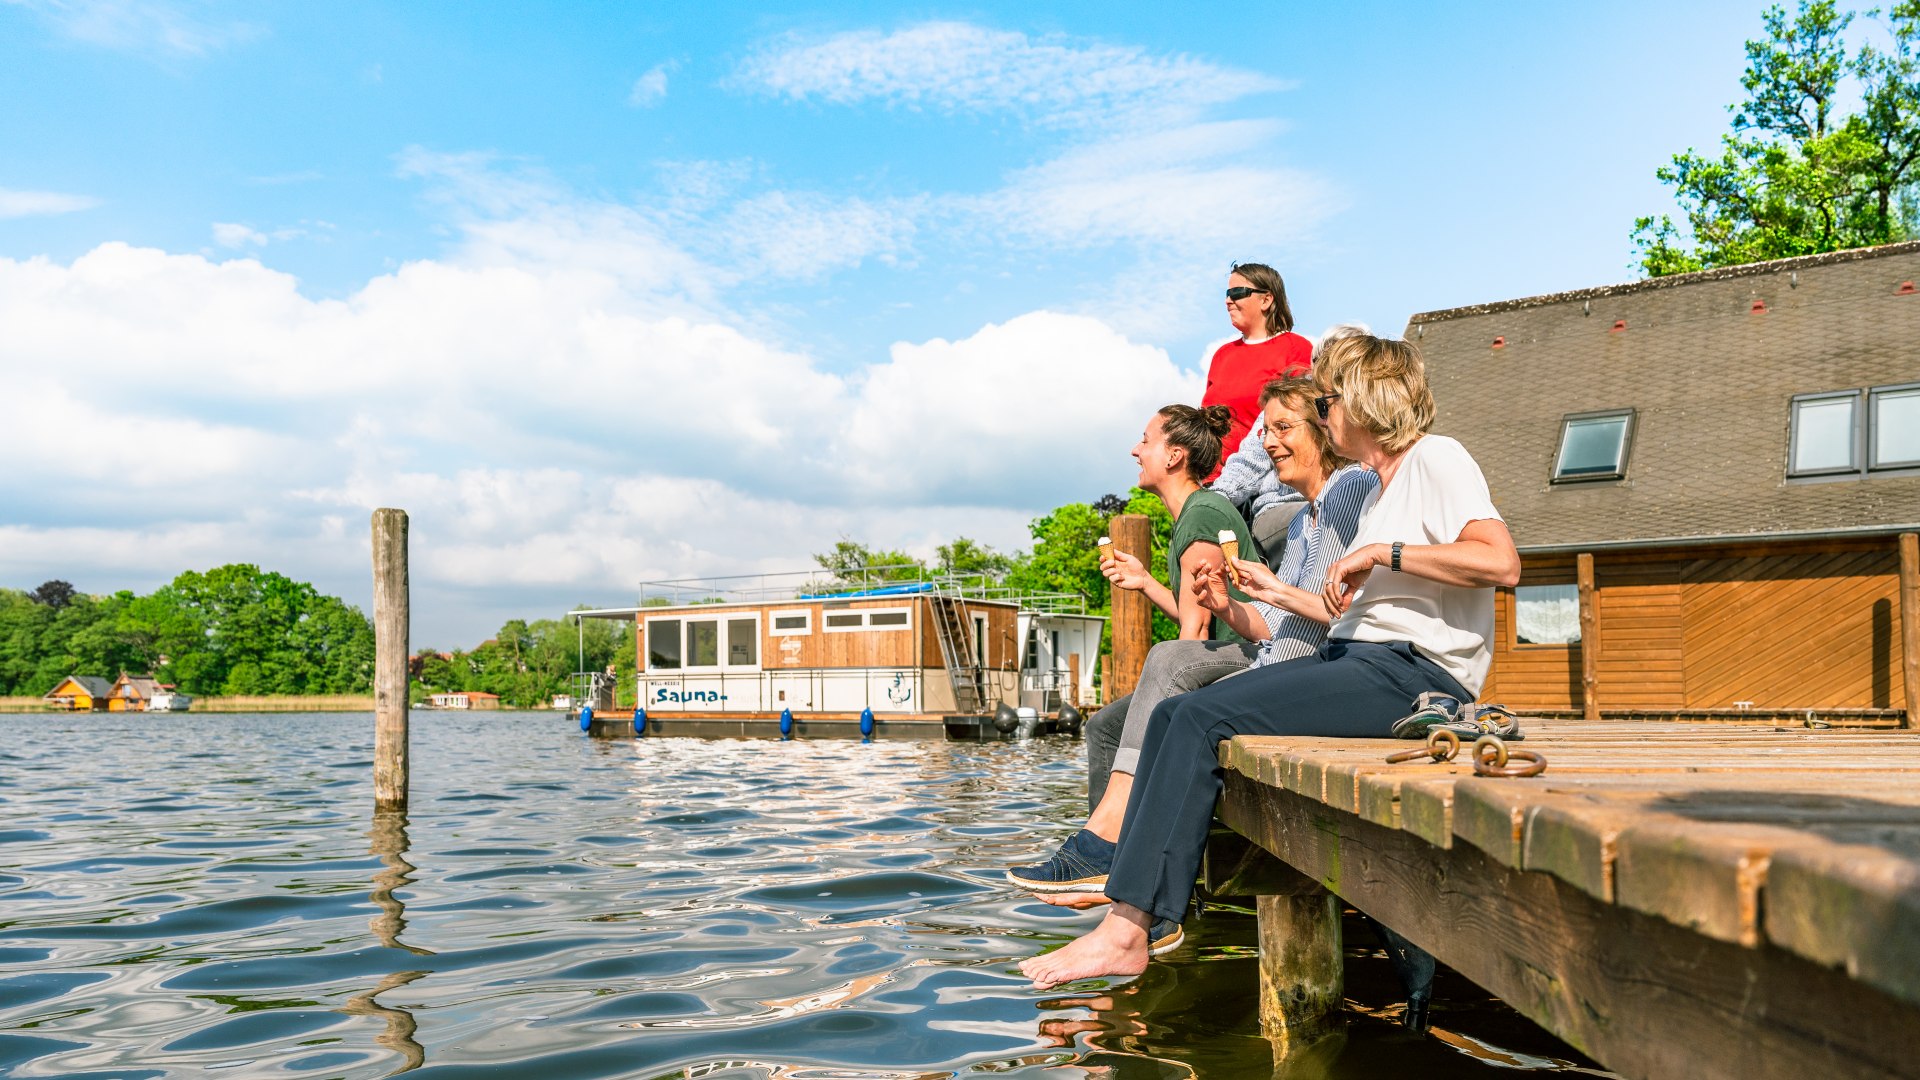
(1241, 292)
(1324, 402)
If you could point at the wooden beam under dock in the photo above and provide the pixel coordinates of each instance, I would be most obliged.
(1670, 900)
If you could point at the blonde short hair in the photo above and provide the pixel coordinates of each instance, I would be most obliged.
(1382, 383)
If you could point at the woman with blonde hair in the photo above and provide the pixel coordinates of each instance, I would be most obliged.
(1412, 604)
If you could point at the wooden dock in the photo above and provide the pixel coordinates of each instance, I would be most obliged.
(1672, 900)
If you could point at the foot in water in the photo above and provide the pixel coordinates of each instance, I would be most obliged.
(1118, 946)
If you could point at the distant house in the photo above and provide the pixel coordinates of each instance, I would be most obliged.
(81, 693)
(464, 699)
(143, 693)
(1714, 483)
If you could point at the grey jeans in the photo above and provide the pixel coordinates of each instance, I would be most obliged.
(1115, 733)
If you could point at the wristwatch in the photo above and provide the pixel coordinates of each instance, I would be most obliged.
(1397, 545)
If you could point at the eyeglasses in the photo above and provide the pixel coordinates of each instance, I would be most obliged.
(1241, 292)
(1324, 402)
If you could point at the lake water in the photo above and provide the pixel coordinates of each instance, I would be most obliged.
(209, 894)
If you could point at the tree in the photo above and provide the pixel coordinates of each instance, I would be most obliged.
(1794, 176)
(55, 594)
(855, 565)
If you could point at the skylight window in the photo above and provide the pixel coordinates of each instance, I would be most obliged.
(1593, 446)
(1826, 434)
(1896, 427)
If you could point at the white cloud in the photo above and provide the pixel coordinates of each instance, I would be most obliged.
(18, 204)
(178, 27)
(232, 235)
(961, 67)
(556, 434)
(650, 89)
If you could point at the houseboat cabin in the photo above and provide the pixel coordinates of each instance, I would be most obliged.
(915, 653)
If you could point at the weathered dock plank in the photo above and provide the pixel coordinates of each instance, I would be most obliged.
(1740, 902)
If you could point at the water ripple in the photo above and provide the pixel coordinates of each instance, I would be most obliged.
(186, 894)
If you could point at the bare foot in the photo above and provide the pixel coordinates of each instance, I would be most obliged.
(1118, 946)
(1073, 899)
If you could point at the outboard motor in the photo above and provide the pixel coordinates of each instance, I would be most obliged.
(1026, 722)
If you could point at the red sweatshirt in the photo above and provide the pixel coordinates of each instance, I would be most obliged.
(1240, 370)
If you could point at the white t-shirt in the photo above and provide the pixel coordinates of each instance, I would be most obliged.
(1436, 492)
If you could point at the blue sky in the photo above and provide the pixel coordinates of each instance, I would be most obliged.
(610, 292)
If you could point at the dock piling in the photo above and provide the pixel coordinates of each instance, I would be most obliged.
(391, 622)
(1132, 614)
(1301, 972)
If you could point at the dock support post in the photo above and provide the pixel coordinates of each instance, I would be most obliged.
(1072, 696)
(1301, 978)
(1589, 638)
(1132, 613)
(1910, 622)
(391, 621)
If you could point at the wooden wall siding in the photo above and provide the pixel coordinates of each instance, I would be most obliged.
(1532, 676)
(1641, 663)
(1802, 630)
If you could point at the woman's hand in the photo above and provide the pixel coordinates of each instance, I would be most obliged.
(1125, 571)
(1209, 587)
(1257, 581)
(1345, 577)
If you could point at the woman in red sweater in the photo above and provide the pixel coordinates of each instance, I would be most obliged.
(1268, 348)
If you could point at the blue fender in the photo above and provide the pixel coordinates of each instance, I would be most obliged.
(866, 725)
(586, 717)
(786, 724)
(639, 720)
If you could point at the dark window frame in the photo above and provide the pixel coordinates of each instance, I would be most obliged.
(1871, 458)
(1857, 466)
(1630, 415)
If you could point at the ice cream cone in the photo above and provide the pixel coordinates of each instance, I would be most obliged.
(1230, 547)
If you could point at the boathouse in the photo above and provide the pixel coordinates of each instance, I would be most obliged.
(464, 699)
(1714, 483)
(81, 693)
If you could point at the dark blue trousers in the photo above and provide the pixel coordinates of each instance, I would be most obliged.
(1354, 689)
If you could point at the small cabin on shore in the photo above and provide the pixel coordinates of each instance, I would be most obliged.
(1714, 483)
(464, 699)
(920, 651)
(81, 693)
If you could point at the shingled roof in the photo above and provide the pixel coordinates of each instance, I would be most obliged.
(1709, 362)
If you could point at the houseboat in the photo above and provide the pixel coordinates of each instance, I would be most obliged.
(929, 656)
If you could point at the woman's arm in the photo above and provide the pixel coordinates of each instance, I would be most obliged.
(1262, 584)
(1127, 572)
(1194, 618)
(1209, 587)
(1483, 556)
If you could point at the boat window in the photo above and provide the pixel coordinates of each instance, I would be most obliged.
(663, 644)
(791, 623)
(1546, 615)
(703, 643)
(872, 619)
(887, 618)
(844, 621)
(743, 642)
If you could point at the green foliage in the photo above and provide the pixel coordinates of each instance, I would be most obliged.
(232, 630)
(529, 662)
(1794, 177)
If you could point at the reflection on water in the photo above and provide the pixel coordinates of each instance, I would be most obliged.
(190, 893)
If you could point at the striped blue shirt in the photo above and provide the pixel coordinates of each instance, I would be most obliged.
(1316, 539)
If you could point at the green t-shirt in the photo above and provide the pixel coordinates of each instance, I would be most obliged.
(1203, 516)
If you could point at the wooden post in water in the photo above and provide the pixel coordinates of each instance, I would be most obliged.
(391, 644)
(1589, 638)
(1301, 973)
(1132, 612)
(1072, 694)
(1910, 622)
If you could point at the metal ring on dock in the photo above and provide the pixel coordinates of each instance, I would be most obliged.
(1433, 749)
(1499, 760)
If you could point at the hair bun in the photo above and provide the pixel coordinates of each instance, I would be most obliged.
(1219, 418)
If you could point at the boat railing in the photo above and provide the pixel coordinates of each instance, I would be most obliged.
(868, 580)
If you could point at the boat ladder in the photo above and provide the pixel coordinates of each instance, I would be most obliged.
(954, 630)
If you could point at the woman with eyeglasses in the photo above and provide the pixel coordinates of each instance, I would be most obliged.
(1267, 349)
(1412, 609)
(1286, 618)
